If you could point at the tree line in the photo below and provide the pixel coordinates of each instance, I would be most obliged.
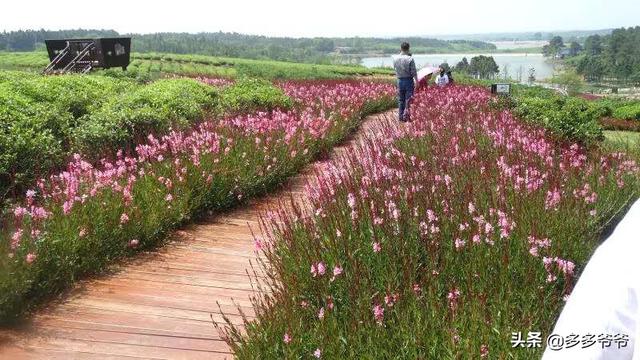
(480, 67)
(612, 56)
(317, 50)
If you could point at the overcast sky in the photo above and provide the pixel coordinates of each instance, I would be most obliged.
(339, 18)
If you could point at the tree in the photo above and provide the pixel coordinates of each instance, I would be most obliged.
(593, 45)
(556, 42)
(463, 66)
(592, 67)
(505, 71)
(570, 81)
(575, 48)
(483, 67)
(554, 46)
(532, 76)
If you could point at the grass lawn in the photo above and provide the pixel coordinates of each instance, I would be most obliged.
(622, 137)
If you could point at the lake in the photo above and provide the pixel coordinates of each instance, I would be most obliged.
(514, 62)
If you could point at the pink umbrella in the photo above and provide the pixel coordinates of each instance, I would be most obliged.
(426, 71)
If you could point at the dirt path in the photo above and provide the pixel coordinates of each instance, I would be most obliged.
(160, 305)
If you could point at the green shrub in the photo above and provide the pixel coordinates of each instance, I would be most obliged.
(43, 119)
(155, 108)
(28, 142)
(627, 112)
(577, 120)
(248, 95)
(570, 118)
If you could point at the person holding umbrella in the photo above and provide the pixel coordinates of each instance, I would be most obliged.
(424, 76)
(405, 67)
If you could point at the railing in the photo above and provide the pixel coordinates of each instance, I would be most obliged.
(49, 69)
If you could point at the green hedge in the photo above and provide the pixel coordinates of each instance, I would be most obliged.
(248, 95)
(628, 112)
(155, 108)
(569, 118)
(29, 144)
(43, 120)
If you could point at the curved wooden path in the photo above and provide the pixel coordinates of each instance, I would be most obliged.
(159, 305)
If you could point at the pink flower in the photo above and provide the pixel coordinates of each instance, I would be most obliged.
(472, 208)
(321, 268)
(484, 351)
(321, 313)
(459, 243)
(124, 218)
(287, 338)
(476, 239)
(30, 258)
(417, 289)
(565, 266)
(330, 302)
(133, 243)
(259, 244)
(19, 212)
(168, 198)
(317, 353)
(391, 299)
(351, 200)
(318, 269)
(431, 215)
(337, 270)
(453, 298)
(376, 247)
(378, 313)
(15, 239)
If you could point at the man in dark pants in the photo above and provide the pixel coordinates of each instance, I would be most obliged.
(406, 72)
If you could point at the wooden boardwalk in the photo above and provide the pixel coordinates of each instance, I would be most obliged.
(159, 305)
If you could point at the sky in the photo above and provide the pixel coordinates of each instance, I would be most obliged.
(334, 18)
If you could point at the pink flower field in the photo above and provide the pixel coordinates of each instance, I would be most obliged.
(435, 239)
(76, 222)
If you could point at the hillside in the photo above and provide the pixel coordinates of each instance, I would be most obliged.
(317, 50)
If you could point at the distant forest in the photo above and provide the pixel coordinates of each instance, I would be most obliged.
(576, 35)
(611, 56)
(316, 50)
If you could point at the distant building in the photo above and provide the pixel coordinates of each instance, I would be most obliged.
(342, 49)
(565, 52)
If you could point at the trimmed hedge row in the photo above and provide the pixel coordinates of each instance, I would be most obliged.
(43, 120)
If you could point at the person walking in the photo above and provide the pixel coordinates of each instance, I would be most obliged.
(407, 75)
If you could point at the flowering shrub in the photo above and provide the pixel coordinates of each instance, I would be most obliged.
(445, 236)
(77, 221)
